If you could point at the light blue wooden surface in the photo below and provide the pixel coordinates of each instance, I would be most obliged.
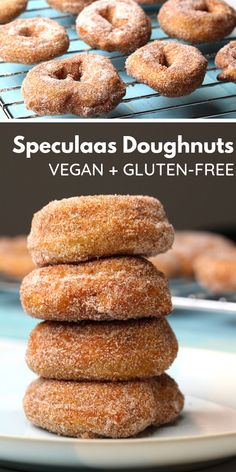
(214, 99)
(193, 329)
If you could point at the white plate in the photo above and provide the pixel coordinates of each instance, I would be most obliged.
(206, 430)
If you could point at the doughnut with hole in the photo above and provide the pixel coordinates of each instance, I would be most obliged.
(84, 84)
(226, 60)
(114, 25)
(197, 21)
(69, 6)
(102, 409)
(32, 40)
(171, 68)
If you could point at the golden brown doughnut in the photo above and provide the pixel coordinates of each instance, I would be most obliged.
(81, 228)
(226, 60)
(189, 245)
(106, 350)
(216, 271)
(69, 6)
(114, 25)
(197, 21)
(168, 263)
(107, 409)
(32, 40)
(173, 69)
(105, 289)
(10, 9)
(85, 84)
(15, 260)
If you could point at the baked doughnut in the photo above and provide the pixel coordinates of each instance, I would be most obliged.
(108, 350)
(85, 84)
(114, 25)
(69, 6)
(168, 263)
(107, 409)
(32, 40)
(217, 271)
(173, 69)
(104, 289)
(81, 228)
(226, 60)
(197, 21)
(189, 245)
(10, 9)
(15, 260)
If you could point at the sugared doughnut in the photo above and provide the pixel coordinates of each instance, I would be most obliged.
(102, 409)
(15, 260)
(32, 40)
(189, 245)
(197, 21)
(168, 263)
(81, 228)
(111, 288)
(216, 271)
(69, 6)
(226, 60)
(107, 350)
(84, 84)
(173, 69)
(10, 9)
(114, 25)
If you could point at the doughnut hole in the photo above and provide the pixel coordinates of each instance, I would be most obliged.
(26, 32)
(70, 71)
(109, 13)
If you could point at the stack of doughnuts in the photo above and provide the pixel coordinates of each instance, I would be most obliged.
(104, 345)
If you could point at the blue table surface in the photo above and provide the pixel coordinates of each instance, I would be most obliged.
(210, 330)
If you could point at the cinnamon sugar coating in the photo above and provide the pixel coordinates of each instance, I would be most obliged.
(226, 60)
(82, 228)
(102, 409)
(105, 350)
(114, 25)
(10, 9)
(197, 21)
(104, 289)
(69, 6)
(173, 69)
(216, 271)
(15, 260)
(84, 84)
(32, 40)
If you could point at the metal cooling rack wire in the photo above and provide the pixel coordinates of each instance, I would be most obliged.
(145, 102)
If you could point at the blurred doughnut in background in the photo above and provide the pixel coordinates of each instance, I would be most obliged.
(15, 260)
(209, 257)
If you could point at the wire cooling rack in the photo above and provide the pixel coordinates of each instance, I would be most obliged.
(212, 100)
(187, 294)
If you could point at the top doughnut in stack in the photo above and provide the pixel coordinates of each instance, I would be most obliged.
(105, 343)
